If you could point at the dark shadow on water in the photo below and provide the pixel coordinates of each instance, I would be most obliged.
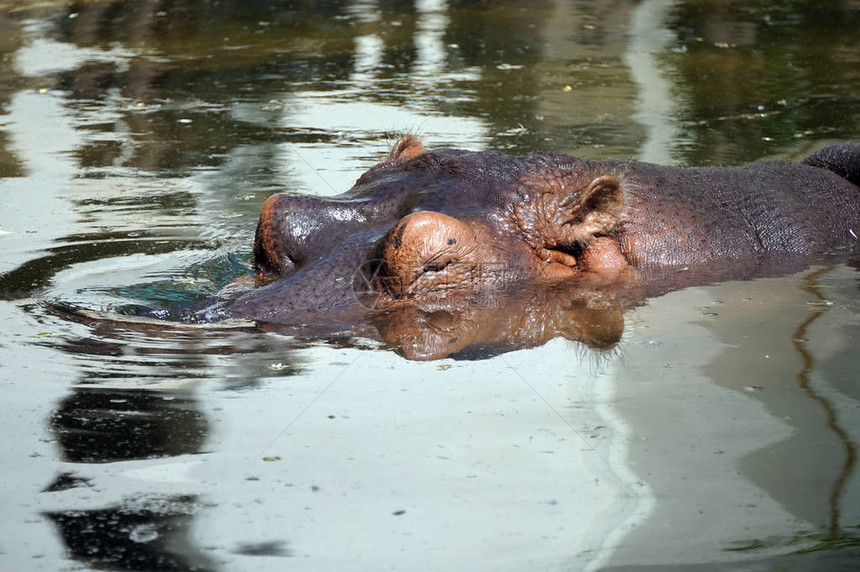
(140, 534)
(103, 426)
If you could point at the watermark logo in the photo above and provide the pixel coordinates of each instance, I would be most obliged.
(372, 288)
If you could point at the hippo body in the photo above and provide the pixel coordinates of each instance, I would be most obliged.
(426, 227)
(683, 216)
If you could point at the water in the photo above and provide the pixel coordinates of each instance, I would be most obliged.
(137, 143)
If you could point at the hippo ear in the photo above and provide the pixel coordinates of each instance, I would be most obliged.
(406, 148)
(595, 210)
(561, 208)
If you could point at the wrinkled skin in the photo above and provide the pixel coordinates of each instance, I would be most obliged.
(526, 248)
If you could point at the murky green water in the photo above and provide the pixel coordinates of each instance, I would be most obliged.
(137, 143)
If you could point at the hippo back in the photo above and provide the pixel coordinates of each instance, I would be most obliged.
(692, 215)
(842, 159)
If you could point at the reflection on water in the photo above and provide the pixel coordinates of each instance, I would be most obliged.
(750, 77)
(833, 423)
(130, 354)
(816, 489)
(137, 143)
(788, 462)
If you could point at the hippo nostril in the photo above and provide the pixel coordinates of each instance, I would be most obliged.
(273, 249)
(272, 264)
(397, 239)
(288, 264)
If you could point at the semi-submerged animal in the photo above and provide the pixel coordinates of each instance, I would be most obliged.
(455, 229)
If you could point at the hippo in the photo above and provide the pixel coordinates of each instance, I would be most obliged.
(449, 228)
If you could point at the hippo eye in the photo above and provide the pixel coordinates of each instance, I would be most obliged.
(437, 265)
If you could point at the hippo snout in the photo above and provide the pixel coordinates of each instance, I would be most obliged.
(295, 230)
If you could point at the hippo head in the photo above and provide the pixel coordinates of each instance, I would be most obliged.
(431, 229)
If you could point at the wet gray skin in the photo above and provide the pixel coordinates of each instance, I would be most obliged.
(341, 259)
